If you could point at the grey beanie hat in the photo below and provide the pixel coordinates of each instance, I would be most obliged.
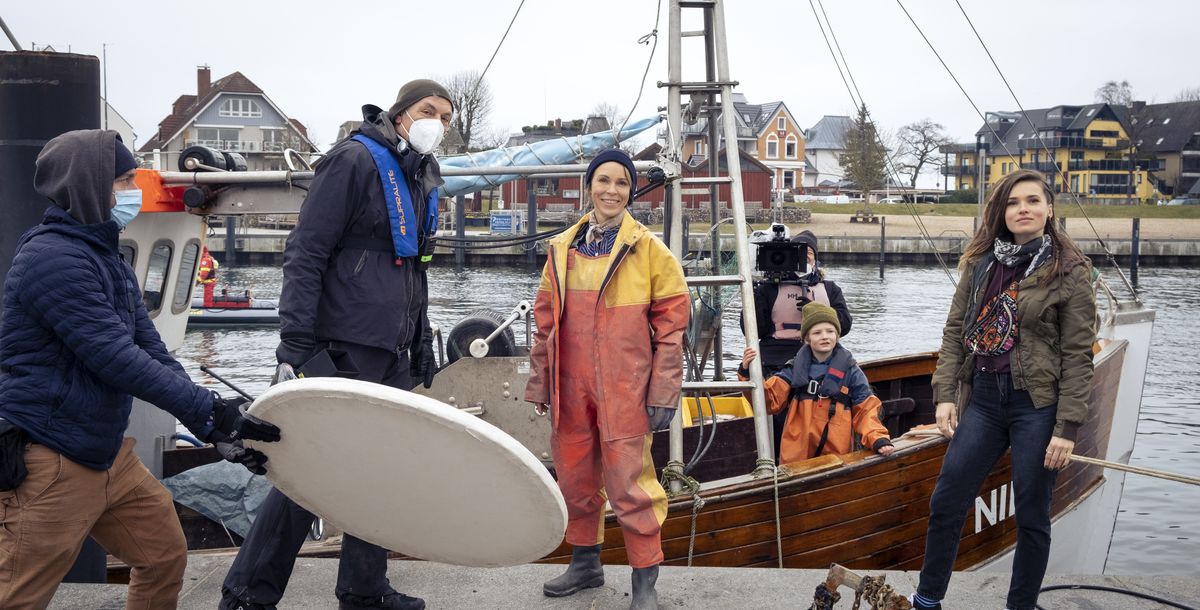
(415, 91)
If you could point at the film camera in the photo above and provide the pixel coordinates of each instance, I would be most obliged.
(779, 259)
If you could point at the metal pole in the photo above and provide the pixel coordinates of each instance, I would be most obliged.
(714, 190)
(230, 240)
(678, 229)
(882, 243)
(532, 223)
(668, 226)
(762, 431)
(981, 185)
(1134, 247)
(460, 229)
(7, 32)
(104, 51)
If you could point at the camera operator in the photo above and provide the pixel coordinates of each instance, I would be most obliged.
(778, 302)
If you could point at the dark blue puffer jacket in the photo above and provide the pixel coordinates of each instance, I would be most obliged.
(76, 342)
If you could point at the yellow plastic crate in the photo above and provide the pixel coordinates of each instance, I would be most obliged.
(734, 406)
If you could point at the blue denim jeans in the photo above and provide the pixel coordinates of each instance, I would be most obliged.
(997, 417)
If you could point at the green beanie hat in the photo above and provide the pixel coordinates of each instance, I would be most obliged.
(415, 91)
(815, 313)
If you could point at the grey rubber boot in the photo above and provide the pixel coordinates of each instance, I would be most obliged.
(644, 595)
(584, 572)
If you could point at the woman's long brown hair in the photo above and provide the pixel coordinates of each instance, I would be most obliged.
(1067, 255)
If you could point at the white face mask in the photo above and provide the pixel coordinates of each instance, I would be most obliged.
(129, 203)
(424, 135)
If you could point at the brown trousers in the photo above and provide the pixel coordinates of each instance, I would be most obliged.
(44, 522)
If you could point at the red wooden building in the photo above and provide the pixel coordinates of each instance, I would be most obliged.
(560, 194)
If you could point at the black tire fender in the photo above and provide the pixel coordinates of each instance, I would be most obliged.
(478, 325)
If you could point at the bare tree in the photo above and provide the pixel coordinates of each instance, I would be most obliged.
(472, 98)
(918, 145)
(1191, 94)
(611, 113)
(1113, 92)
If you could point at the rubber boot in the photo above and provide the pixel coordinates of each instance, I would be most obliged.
(644, 595)
(584, 572)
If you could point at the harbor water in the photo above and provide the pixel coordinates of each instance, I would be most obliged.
(1158, 527)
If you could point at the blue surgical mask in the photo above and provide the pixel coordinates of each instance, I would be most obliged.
(129, 203)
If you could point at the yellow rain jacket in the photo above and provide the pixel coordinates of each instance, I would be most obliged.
(640, 314)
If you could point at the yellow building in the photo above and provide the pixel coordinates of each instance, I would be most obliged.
(1083, 150)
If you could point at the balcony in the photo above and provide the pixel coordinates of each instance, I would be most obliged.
(1054, 142)
(1045, 167)
(1109, 189)
(963, 170)
(227, 145)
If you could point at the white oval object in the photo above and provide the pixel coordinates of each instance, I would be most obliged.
(410, 473)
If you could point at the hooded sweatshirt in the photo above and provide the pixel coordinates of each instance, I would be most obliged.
(75, 340)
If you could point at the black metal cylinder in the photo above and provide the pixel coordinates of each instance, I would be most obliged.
(42, 95)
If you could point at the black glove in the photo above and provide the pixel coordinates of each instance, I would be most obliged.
(232, 451)
(660, 418)
(295, 350)
(802, 301)
(230, 422)
(425, 365)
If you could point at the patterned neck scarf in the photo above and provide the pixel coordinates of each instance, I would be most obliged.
(596, 231)
(1035, 252)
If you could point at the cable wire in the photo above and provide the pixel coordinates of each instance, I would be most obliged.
(1038, 136)
(498, 45)
(890, 167)
(1136, 594)
(652, 40)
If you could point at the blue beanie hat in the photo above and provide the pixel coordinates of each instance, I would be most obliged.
(125, 160)
(613, 155)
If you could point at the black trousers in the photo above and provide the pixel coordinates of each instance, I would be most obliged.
(264, 563)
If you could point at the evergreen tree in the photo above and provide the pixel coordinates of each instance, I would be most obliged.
(865, 161)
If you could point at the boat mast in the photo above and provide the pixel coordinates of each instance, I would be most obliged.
(716, 55)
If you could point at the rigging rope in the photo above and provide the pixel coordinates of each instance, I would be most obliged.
(500, 44)
(891, 168)
(652, 40)
(1037, 134)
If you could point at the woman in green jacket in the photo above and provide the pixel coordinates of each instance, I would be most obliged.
(1014, 370)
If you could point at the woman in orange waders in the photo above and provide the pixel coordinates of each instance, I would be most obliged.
(607, 363)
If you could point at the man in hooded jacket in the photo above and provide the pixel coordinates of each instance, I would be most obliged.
(354, 283)
(75, 345)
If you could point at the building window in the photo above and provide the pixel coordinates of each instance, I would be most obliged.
(781, 124)
(699, 148)
(240, 107)
(772, 147)
(156, 276)
(789, 147)
(789, 179)
(1075, 183)
(187, 273)
(220, 138)
(1096, 133)
(276, 140)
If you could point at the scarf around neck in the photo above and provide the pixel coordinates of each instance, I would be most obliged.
(1035, 253)
(596, 231)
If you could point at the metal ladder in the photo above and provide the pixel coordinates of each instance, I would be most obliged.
(703, 93)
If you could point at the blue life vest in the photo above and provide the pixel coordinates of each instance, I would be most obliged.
(405, 240)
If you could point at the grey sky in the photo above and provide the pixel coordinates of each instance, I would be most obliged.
(320, 61)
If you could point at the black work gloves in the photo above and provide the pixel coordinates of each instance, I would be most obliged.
(231, 425)
(233, 422)
(424, 364)
(802, 301)
(295, 350)
(660, 417)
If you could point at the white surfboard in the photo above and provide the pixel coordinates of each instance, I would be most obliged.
(410, 473)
